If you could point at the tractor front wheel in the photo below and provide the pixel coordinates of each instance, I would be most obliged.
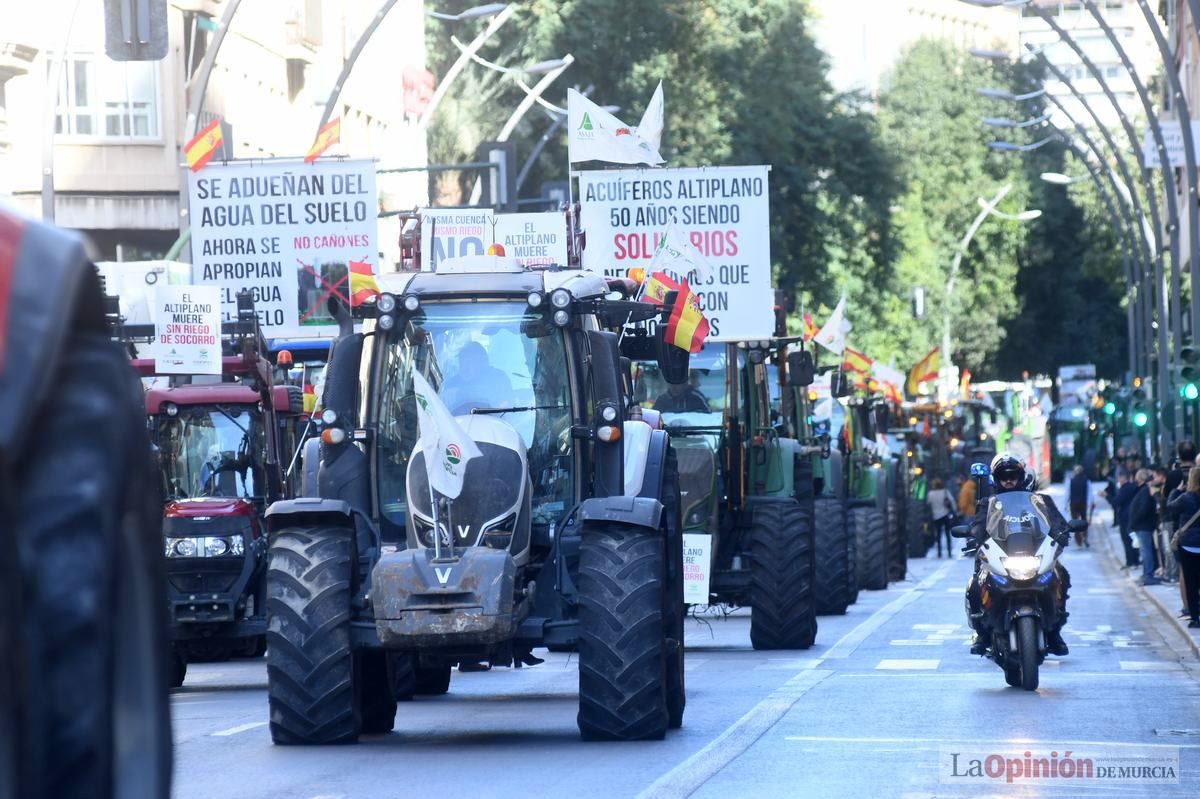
(782, 613)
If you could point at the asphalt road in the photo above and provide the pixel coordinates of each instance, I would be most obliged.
(877, 708)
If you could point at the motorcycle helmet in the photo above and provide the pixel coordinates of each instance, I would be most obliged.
(1007, 468)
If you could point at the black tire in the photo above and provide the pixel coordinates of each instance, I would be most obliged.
(852, 556)
(867, 522)
(177, 668)
(916, 528)
(310, 665)
(1027, 640)
(897, 547)
(254, 647)
(431, 680)
(86, 514)
(1012, 676)
(402, 676)
(376, 702)
(674, 609)
(782, 613)
(833, 578)
(622, 641)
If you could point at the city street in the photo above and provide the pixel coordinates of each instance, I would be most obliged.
(864, 713)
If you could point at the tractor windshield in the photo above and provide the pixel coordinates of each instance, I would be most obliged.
(212, 451)
(495, 358)
(698, 403)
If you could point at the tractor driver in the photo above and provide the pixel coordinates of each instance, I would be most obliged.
(682, 398)
(476, 384)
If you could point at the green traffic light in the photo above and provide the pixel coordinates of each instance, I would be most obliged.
(1140, 419)
(1190, 391)
(1110, 408)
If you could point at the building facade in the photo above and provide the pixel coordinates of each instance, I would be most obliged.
(119, 127)
(864, 40)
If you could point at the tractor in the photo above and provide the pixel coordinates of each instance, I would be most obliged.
(566, 533)
(867, 467)
(220, 446)
(747, 487)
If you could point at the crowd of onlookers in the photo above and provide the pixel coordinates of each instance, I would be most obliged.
(1157, 513)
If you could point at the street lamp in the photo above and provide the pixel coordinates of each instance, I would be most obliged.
(502, 15)
(1002, 94)
(476, 12)
(1023, 216)
(1008, 146)
(1059, 179)
(1003, 122)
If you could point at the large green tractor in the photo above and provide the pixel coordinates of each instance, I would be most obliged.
(910, 488)
(747, 492)
(868, 467)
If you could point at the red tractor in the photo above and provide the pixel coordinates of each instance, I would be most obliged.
(222, 447)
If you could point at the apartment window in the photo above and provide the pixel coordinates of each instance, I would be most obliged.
(108, 99)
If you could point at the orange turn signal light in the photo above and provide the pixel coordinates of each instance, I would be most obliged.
(608, 433)
(495, 249)
(637, 274)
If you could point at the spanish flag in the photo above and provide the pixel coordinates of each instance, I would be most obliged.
(926, 369)
(327, 136)
(810, 327)
(656, 288)
(200, 150)
(687, 328)
(854, 361)
(310, 398)
(362, 283)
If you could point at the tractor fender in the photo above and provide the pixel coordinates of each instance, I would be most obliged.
(653, 457)
(789, 453)
(309, 511)
(631, 511)
(835, 478)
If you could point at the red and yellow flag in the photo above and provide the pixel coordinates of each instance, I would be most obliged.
(810, 327)
(200, 150)
(964, 385)
(687, 328)
(926, 369)
(855, 361)
(362, 283)
(327, 136)
(657, 286)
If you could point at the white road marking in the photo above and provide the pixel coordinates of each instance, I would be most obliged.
(687, 777)
(918, 642)
(240, 728)
(1148, 665)
(906, 664)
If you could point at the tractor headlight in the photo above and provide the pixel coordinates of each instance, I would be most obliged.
(386, 322)
(560, 298)
(534, 299)
(328, 416)
(386, 303)
(561, 318)
(1022, 567)
(215, 547)
(500, 534)
(412, 303)
(184, 548)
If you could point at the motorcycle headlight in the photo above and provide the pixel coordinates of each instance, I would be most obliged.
(184, 548)
(1022, 567)
(215, 547)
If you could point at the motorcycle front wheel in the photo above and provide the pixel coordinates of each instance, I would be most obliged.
(1027, 643)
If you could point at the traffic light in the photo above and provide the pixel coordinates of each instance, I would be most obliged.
(1189, 363)
(1140, 417)
(1110, 408)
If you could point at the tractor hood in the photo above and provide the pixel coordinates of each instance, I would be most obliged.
(493, 508)
(208, 506)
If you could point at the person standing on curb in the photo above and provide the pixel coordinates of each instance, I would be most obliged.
(1143, 519)
(1186, 543)
(941, 511)
(1080, 501)
(1126, 489)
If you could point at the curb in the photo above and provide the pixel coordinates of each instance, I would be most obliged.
(1169, 614)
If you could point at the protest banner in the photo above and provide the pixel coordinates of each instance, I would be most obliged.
(187, 330)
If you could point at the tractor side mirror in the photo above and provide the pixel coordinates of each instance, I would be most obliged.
(882, 417)
(673, 361)
(800, 369)
(839, 386)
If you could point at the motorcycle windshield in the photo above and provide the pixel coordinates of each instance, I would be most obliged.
(1018, 521)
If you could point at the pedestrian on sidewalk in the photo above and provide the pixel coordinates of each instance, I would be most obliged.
(1126, 489)
(966, 499)
(1143, 520)
(1186, 543)
(1168, 569)
(1080, 502)
(941, 509)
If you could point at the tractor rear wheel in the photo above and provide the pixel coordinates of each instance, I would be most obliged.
(177, 668)
(432, 680)
(916, 526)
(310, 665)
(897, 547)
(833, 579)
(622, 638)
(867, 522)
(782, 613)
(674, 609)
(376, 702)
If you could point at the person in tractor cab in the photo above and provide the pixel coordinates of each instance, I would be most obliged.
(476, 384)
(681, 398)
(1008, 474)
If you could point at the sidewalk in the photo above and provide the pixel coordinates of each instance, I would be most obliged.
(1165, 596)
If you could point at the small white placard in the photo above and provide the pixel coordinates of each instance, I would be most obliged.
(187, 330)
(697, 567)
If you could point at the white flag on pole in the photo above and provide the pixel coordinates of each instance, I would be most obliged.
(651, 127)
(593, 134)
(446, 445)
(833, 335)
(677, 254)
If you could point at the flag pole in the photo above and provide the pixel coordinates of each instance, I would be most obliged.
(433, 506)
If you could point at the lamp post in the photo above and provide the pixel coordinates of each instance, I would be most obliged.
(500, 17)
(987, 208)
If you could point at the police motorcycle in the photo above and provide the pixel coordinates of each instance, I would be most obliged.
(1020, 589)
